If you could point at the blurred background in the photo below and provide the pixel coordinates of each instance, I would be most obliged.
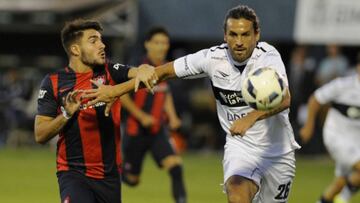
(309, 34)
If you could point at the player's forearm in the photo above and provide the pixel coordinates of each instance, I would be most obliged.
(313, 108)
(285, 104)
(170, 107)
(47, 129)
(166, 71)
(133, 72)
(130, 106)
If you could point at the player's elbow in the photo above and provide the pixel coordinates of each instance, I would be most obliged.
(40, 137)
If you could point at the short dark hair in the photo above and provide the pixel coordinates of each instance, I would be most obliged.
(73, 30)
(156, 30)
(243, 11)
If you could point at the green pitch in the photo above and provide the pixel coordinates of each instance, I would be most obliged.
(28, 175)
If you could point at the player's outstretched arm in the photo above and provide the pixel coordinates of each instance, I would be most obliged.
(307, 131)
(240, 126)
(174, 120)
(107, 93)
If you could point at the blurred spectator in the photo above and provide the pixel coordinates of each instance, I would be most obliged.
(332, 66)
(16, 114)
(301, 75)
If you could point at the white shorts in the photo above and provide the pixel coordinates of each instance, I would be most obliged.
(344, 149)
(273, 175)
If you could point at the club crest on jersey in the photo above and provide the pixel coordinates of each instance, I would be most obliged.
(100, 79)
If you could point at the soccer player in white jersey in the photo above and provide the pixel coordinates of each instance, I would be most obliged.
(340, 132)
(259, 162)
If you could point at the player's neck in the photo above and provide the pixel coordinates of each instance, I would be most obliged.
(78, 66)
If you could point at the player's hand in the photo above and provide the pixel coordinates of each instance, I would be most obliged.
(174, 123)
(147, 120)
(71, 102)
(108, 106)
(103, 93)
(241, 125)
(146, 75)
(306, 133)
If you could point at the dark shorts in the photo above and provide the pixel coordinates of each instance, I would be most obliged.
(135, 148)
(77, 188)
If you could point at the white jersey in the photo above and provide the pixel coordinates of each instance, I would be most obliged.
(268, 137)
(343, 117)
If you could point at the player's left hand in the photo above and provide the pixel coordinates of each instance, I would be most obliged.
(146, 75)
(241, 125)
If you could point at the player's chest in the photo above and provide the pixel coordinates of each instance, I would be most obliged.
(227, 76)
(68, 83)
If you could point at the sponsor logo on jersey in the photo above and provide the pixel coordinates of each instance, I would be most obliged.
(186, 63)
(231, 98)
(117, 66)
(42, 94)
(223, 74)
(222, 58)
(233, 116)
(84, 106)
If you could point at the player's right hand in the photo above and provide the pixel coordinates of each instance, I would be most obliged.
(306, 133)
(71, 102)
(147, 120)
(146, 75)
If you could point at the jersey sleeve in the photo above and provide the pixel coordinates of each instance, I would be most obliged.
(329, 91)
(118, 72)
(273, 60)
(191, 65)
(47, 104)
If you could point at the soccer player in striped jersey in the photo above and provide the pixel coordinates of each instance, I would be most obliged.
(146, 126)
(259, 158)
(340, 132)
(88, 149)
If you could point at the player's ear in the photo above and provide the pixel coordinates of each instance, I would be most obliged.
(75, 50)
(257, 35)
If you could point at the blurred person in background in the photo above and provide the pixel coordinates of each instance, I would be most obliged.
(302, 69)
(340, 133)
(88, 153)
(146, 128)
(259, 158)
(332, 66)
(16, 91)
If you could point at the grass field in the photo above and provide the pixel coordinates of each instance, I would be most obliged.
(28, 176)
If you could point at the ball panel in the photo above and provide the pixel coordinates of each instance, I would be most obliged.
(263, 89)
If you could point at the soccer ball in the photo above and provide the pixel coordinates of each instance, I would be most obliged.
(263, 89)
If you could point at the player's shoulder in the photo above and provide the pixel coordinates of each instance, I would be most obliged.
(217, 52)
(53, 74)
(112, 65)
(221, 47)
(345, 81)
(266, 49)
